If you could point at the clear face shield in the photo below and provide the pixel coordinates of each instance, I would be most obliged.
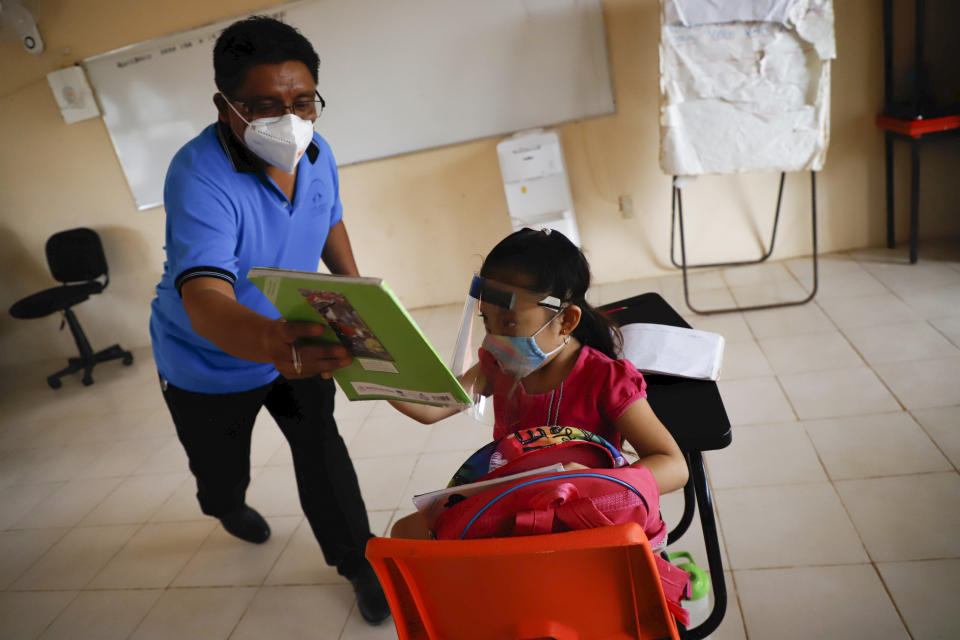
(499, 309)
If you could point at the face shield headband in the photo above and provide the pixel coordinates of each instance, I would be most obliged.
(491, 298)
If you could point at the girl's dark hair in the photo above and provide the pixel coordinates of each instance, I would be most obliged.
(558, 268)
(258, 40)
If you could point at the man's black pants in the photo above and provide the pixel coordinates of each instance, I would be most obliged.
(215, 430)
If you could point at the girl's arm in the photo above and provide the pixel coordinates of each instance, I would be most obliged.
(423, 413)
(657, 449)
(428, 414)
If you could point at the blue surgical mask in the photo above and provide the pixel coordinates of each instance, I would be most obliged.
(519, 356)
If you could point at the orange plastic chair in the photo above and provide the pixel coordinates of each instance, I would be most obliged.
(592, 584)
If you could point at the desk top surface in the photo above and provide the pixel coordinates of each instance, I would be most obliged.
(691, 409)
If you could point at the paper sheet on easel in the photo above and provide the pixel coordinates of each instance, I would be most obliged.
(676, 351)
(745, 85)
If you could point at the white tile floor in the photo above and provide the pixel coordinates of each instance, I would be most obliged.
(838, 501)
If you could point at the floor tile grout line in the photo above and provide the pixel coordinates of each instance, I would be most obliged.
(346, 620)
(846, 511)
(807, 335)
(939, 331)
(146, 613)
(107, 497)
(786, 396)
(893, 601)
(66, 531)
(876, 373)
(169, 586)
(933, 440)
(243, 614)
(934, 290)
(739, 487)
(192, 555)
(824, 565)
(842, 504)
(922, 321)
(276, 561)
(60, 613)
(94, 576)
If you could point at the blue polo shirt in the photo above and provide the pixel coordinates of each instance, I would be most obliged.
(225, 216)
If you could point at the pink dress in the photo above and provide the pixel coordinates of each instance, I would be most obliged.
(593, 396)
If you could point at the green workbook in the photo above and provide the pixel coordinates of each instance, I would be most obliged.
(392, 359)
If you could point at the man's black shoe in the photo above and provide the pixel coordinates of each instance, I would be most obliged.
(246, 524)
(370, 599)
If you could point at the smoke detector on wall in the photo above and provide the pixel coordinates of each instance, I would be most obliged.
(16, 18)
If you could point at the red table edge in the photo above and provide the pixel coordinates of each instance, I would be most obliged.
(917, 127)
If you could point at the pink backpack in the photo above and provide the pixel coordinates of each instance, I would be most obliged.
(556, 502)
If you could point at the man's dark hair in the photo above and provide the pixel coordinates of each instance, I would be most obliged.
(258, 40)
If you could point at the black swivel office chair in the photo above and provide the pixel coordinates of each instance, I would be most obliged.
(76, 259)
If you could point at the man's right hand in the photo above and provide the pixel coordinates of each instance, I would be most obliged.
(288, 342)
(240, 331)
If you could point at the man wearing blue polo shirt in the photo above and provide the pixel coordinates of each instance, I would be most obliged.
(258, 188)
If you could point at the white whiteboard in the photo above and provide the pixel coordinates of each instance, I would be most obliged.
(398, 76)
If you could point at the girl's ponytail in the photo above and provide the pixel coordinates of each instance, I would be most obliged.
(597, 330)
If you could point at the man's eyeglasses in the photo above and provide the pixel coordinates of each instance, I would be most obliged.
(306, 109)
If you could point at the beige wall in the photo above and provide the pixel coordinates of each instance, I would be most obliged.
(424, 220)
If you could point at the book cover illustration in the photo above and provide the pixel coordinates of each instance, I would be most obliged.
(350, 328)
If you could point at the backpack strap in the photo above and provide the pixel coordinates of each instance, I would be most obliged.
(538, 519)
(676, 587)
(562, 503)
(582, 514)
(533, 522)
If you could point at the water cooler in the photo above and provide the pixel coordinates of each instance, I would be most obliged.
(535, 182)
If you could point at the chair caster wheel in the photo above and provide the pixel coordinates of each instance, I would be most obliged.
(54, 382)
(87, 381)
(127, 359)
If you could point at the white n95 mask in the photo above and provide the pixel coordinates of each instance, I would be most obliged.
(279, 141)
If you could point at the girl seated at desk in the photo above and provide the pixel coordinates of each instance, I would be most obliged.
(550, 358)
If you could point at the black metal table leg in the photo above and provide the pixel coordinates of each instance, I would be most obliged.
(914, 197)
(711, 540)
(888, 150)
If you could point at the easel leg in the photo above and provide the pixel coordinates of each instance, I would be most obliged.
(677, 218)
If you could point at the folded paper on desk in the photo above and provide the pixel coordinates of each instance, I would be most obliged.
(675, 351)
